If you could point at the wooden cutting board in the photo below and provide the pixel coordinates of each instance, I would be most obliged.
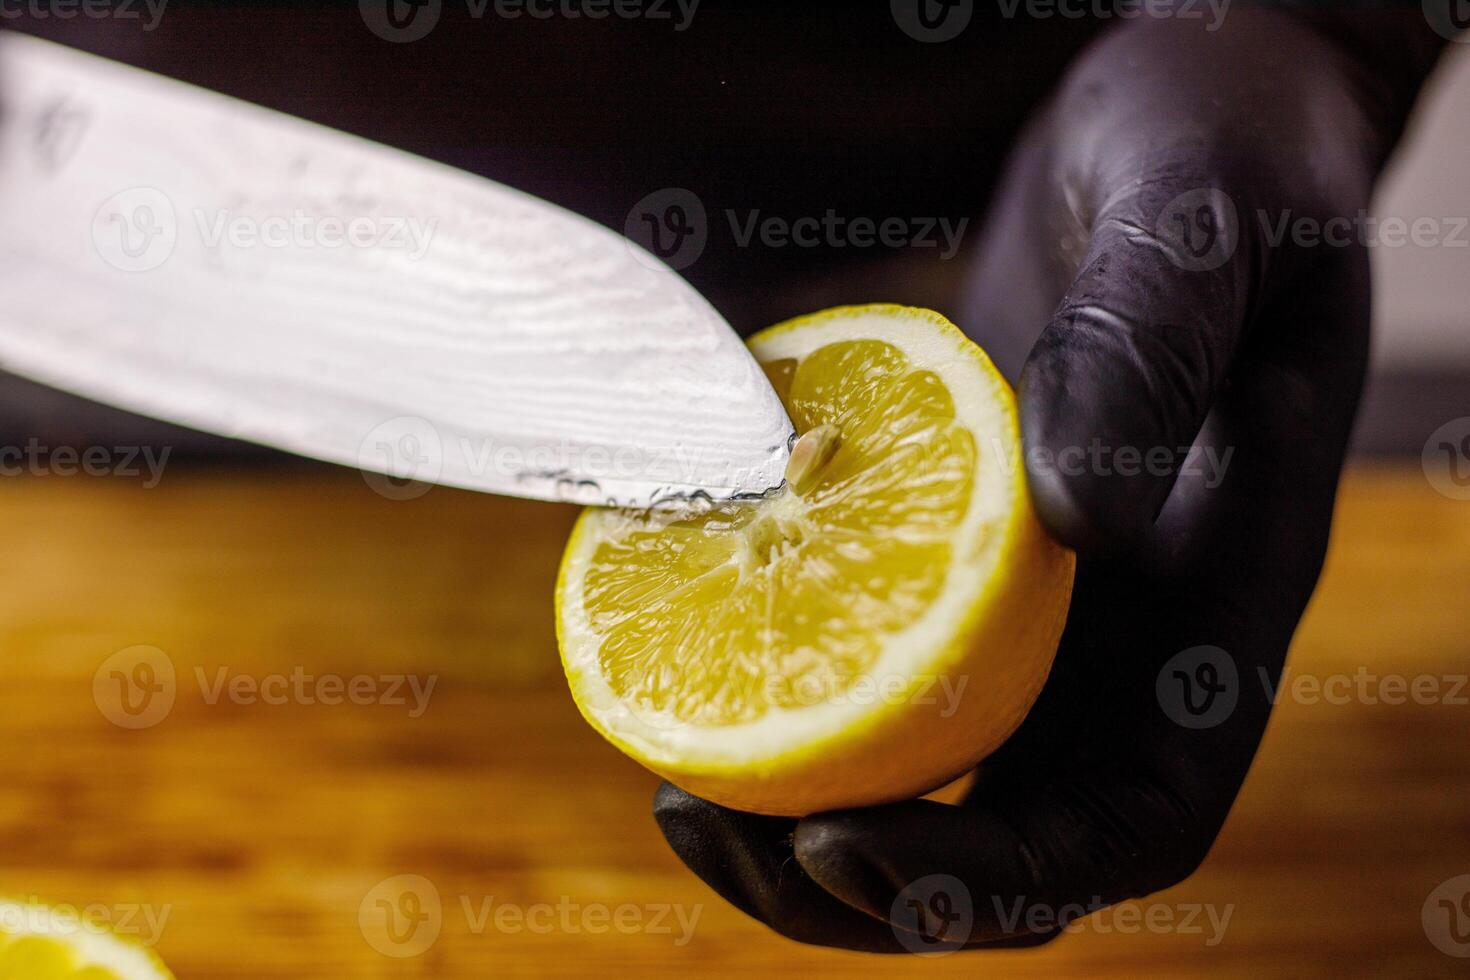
(262, 830)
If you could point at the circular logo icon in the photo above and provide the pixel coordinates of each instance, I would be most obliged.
(401, 458)
(401, 916)
(933, 915)
(400, 21)
(1199, 687)
(932, 21)
(136, 687)
(1200, 228)
(1446, 917)
(1449, 19)
(136, 230)
(671, 227)
(1446, 459)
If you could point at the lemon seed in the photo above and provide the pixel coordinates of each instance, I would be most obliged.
(811, 453)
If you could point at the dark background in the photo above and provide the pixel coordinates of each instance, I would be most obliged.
(788, 109)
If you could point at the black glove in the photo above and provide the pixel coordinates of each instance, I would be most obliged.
(1146, 200)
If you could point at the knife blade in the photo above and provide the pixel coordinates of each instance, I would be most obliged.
(203, 260)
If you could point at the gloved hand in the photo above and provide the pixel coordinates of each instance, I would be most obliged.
(1147, 200)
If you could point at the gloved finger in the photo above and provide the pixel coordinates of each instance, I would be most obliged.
(1123, 375)
(1019, 871)
(749, 860)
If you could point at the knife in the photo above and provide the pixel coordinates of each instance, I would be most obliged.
(202, 260)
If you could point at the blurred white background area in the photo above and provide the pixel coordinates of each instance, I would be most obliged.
(1422, 294)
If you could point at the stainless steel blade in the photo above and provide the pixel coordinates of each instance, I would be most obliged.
(209, 262)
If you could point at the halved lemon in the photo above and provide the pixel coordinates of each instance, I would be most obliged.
(865, 634)
(43, 942)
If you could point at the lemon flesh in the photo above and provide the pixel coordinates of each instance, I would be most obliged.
(721, 617)
(777, 655)
(38, 942)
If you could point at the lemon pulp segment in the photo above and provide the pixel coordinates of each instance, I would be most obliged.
(718, 617)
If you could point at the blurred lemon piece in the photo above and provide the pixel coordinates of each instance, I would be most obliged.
(866, 633)
(39, 942)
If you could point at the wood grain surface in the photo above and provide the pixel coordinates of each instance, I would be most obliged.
(262, 831)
